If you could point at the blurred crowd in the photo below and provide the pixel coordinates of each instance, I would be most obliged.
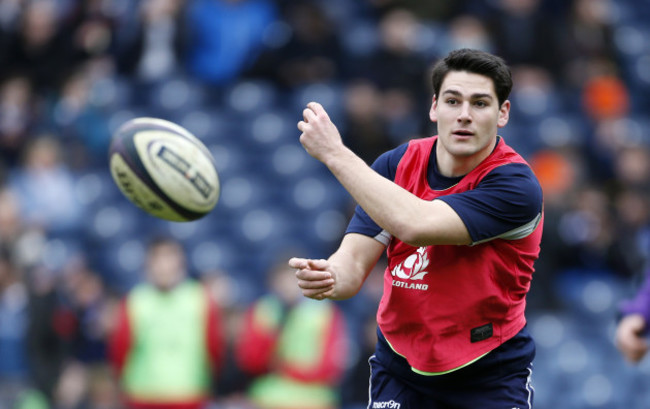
(71, 71)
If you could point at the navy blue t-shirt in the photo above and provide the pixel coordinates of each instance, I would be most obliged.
(507, 199)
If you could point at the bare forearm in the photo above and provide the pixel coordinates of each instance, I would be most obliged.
(412, 220)
(350, 274)
(399, 212)
(389, 205)
(342, 275)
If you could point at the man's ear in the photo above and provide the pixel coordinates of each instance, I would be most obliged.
(504, 114)
(433, 115)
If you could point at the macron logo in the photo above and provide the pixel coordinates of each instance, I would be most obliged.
(391, 404)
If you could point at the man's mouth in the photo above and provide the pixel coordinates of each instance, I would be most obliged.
(463, 133)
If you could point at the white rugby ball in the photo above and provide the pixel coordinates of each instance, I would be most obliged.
(164, 169)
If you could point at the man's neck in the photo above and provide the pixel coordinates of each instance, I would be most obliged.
(454, 166)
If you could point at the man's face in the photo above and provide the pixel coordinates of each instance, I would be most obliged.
(468, 114)
(165, 265)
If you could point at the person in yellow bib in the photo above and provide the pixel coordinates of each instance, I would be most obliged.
(168, 342)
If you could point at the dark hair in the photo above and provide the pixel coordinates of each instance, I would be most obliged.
(162, 240)
(476, 62)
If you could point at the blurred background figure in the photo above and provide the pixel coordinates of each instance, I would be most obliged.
(523, 36)
(44, 187)
(632, 330)
(17, 115)
(74, 116)
(153, 44)
(40, 47)
(365, 129)
(305, 49)
(294, 349)
(226, 36)
(14, 363)
(167, 343)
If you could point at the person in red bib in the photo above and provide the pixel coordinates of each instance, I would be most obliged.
(460, 218)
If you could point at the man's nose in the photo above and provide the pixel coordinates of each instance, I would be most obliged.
(464, 115)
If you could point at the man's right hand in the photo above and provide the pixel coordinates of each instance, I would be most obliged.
(315, 278)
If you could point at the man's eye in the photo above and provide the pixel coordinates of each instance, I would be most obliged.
(452, 101)
(481, 104)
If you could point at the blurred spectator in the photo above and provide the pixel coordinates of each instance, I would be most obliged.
(632, 331)
(400, 112)
(41, 48)
(18, 113)
(523, 36)
(94, 307)
(45, 188)
(226, 37)
(312, 54)
(364, 129)
(11, 226)
(49, 326)
(167, 343)
(397, 64)
(81, 126)
(153, 46)
(558, 172)
(14, 361)
(605, 97)
(9, 15)
(294, 348)
(534, 94)
(630, 252)
(425, 10)
(84, 387)
(397, 71)
(588, 38)
(466, 31)
(586, 230)
(232, 381)
(26, 243)
(103, 390)
(52, 325)
(92, 24)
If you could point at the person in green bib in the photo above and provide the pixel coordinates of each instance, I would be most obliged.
(294, 348)
(168, 343)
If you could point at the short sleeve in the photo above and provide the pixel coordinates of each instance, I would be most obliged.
(507, 204)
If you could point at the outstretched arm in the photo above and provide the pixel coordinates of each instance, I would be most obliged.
(412, 220)
(342, 275)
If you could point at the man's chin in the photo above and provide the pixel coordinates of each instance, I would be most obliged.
(463, 151)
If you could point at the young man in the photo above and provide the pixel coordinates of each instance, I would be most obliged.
(460, 216)
(167, 344)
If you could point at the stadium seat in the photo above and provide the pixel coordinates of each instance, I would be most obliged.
(271, 129)
(360, 39)
(96, 188)
(329, 95)
(111, 93)
(250, 97)
(175, 93)
(208, 123)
